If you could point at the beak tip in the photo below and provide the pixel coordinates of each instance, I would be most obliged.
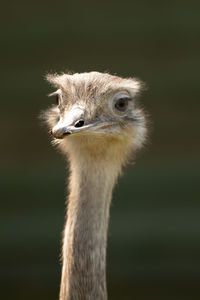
(59, 134)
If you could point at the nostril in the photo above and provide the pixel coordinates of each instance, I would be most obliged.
(79, 123)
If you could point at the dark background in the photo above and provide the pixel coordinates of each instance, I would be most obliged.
(154, 236)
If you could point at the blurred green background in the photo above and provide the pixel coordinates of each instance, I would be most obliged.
(154, 236)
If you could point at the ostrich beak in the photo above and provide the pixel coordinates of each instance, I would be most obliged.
(74, 122)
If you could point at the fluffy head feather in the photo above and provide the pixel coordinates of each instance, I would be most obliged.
(112, 124)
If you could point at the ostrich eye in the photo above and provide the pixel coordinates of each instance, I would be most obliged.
(122, 103)
(57, 99)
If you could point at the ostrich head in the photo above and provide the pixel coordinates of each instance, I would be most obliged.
(96, 115)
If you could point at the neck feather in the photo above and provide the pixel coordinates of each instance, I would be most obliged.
(85, 234)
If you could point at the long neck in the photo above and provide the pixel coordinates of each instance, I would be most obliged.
(85, 234)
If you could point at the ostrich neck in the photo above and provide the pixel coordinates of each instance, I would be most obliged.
(85, 234)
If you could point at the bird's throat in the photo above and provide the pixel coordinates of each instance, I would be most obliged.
(85, 234)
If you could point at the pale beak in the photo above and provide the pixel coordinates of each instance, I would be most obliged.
(72, 122)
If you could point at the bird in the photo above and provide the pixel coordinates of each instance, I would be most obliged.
(99, 125)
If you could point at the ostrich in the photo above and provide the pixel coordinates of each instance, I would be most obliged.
(98, 125)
